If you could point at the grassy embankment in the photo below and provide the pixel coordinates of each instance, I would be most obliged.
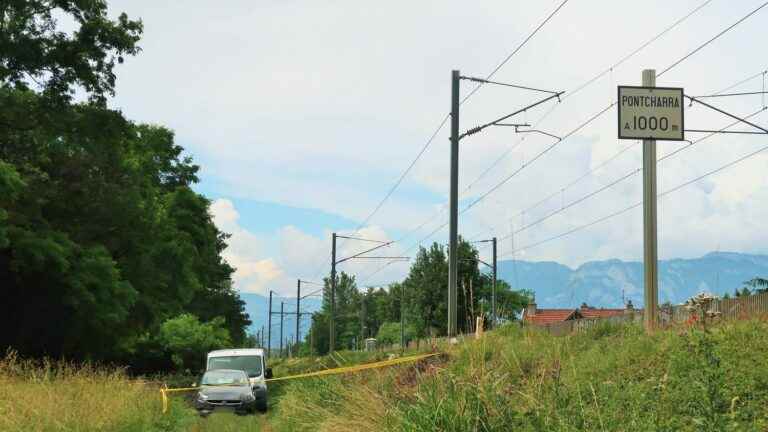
(612, 378)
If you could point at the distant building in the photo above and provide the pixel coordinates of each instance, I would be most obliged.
(536, 316)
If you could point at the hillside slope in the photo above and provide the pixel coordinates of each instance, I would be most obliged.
(612, 379)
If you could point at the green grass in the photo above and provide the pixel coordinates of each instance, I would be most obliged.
(613, 378)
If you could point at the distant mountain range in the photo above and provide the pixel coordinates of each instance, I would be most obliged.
(602, 283)
(598, 283)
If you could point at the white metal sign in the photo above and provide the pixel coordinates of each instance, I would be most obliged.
(651, 113)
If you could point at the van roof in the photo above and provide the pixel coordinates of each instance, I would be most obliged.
(237, 352)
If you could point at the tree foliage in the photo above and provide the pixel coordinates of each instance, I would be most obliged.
(757, 284)
(188, 339)
(34, 48)
(421, 300)
(389, 333)
(102, 239)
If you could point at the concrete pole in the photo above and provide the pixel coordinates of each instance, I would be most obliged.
(282, 305)
(269, 326)
(650, 250)
(493, 287)
(362, 320)
(332, 323)
(453, 256)
(402, 317)
(311, 341)
(298, 309)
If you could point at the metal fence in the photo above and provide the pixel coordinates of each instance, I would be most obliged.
(729, 309)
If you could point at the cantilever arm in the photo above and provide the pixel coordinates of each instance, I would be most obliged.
(693, 99)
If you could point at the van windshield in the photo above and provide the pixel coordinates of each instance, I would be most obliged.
(250, 364)
(224, 377)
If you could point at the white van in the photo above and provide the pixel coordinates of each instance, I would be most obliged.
(250, 360)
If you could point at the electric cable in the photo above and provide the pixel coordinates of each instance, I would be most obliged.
(564, 207)
(638, 204)
(587, 84)
(515, 51)
(700, 47)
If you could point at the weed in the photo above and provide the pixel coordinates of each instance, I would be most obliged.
(61, 396)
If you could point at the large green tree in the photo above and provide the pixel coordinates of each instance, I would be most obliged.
(102, 238)
(34, 50)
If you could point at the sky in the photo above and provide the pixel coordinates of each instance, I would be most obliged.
(303, 115)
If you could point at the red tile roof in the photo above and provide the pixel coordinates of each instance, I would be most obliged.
(546, 316)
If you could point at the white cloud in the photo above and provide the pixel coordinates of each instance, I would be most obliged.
(324, 106)
(299, 255)
(254, 270)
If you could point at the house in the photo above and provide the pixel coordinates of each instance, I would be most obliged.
(536, 316)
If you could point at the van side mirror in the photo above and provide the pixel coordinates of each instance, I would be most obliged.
(268, 373)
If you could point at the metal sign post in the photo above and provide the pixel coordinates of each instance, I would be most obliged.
(650, 113)
(650, 228)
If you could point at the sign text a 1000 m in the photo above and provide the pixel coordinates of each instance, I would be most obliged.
(651, 113)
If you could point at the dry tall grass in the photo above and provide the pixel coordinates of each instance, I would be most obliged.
(60, 396)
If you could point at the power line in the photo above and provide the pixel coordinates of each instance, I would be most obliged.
(588, 83)
(559, 192)
(405, 173)
(482, 197)
(575, 202)
(690, 143)
(638, 204)
(469, 95)
(637, 170)
(447, 116)
(387, 264)
(443, 122)
(360, 239)
(394, 186)
(540, 154)
(621, 179)
(445, 119)
(569, 185)
(730, 94)
(517, 86)
(638, 49)
(724, 31)
(745, 80)
(624, 59)
(515, 51)
(577, 180)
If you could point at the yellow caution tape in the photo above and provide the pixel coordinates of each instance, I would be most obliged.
(356, 368)
(164, 394)
(347, 369)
